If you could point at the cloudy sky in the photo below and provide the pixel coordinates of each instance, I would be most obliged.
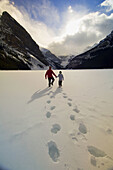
(63, 26)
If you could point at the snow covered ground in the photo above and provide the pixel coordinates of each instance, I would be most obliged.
(68, 128)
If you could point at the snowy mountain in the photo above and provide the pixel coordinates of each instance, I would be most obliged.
(65, 59)
(101, 56)
(18, 51)
(54, 61)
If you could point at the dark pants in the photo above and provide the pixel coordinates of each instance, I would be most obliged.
(51, 80)
(60, 83)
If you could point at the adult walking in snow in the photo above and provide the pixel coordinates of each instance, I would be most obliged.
(61, 78)
(49, 74)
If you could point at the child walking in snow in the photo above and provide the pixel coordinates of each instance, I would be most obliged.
(61, 78)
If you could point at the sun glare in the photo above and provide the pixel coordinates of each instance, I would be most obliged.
(70, 10)
(72, 27)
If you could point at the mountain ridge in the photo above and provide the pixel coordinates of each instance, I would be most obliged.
(99, 57)
(18, 51)
(17, 48)
(51, 58)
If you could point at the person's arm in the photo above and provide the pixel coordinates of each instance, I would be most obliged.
(54, 74)
(58, 75)
(46, 74)
(62, 77)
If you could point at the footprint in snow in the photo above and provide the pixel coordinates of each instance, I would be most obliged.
(69, 99)
(52, 97)
(73, 137)
(49, 92)
(96, 152)
(55, 128)
(64, 96)
(49, 101)
(48, 114)
(76, 110)
(53, 151)
(69, 104)
(82, 128)
(109, 131)
(53, 107)
(93, 161)
(72, 117)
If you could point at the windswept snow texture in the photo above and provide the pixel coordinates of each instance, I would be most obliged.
(52, 128)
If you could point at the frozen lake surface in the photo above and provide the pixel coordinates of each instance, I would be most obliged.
(68, 128)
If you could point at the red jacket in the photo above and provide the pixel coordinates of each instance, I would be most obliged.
(50, 73)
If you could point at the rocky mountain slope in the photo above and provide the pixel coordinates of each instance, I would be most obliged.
(17, 48)
(51, 58)
(101, 56)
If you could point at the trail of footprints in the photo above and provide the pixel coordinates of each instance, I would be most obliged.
(53, 150)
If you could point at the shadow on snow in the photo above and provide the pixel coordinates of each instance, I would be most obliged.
(44, 92)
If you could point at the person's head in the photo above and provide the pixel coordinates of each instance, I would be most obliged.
(60, 72)
(49, 67)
